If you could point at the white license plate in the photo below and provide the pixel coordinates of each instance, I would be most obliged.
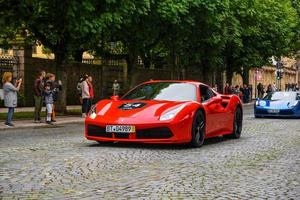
(120, 129)
(273, 111)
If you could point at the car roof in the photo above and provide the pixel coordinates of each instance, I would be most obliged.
(286, 91)
(176, 81)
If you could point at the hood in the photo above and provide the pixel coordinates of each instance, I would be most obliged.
(124, 110)
(278, 104)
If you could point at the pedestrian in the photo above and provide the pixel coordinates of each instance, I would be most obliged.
(236, 91)
(215, 88)
(250, 87)
(227, 89)
(269, 89)
(38, 95)
(116, 88)
(86, 98)
(48, 96)
(260, 90)
(79, 89)
(10, 96)
(91, 87)
(56, 87)
(246, 93)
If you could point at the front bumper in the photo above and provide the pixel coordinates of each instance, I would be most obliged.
(160, 132)
(284, 113)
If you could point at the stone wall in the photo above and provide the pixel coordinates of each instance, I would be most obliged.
(103, 77)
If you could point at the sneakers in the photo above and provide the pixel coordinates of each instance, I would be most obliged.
(49, 122)
(53, 120)
(9, 125)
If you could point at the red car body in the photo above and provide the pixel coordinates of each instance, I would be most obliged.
(149, 128)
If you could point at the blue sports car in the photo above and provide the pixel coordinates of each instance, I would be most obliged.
(278, 104)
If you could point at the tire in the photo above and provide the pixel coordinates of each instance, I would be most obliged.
(198, 129)
(237, 124)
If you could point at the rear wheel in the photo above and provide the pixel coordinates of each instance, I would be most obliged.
(237, 124)
(198, 129)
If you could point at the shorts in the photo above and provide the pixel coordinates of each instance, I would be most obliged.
(49, 108)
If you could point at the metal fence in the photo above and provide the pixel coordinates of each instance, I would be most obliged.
(8, 64)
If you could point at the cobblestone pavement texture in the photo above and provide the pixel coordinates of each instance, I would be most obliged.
(59, 163)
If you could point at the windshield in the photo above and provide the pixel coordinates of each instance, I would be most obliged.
(169, 91)
(288, 96)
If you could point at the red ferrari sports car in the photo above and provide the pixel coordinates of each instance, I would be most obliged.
(165, 112)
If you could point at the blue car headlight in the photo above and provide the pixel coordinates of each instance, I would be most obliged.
(261, 103)
(293, 105)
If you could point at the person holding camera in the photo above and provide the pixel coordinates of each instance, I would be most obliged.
(10, 96)
(56, 87)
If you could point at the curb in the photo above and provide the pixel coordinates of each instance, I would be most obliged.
(21, 124)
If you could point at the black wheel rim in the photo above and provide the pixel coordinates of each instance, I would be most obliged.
(199, 129)
(238, 122)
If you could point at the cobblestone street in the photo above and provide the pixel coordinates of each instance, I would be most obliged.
(59, 163)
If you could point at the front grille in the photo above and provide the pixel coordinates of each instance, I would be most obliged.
(98, 131)
(286, 112)
(121, 135)
(282, 112)
(154, 133)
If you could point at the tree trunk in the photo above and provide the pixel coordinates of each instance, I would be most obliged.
(131, 66)
(205, 71)
(173, 65)
(245, 76)
(61, 62)
(229, 74)
(78, 55)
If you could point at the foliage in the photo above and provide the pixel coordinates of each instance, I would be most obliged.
(231, 35)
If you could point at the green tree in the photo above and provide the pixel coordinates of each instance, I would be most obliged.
(66, 26)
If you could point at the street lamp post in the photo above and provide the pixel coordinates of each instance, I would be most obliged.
(279, 66)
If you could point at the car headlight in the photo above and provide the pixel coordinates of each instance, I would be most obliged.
(92, 114)
(171, 114)
(257, 103)
(293, 105)
(261, 103)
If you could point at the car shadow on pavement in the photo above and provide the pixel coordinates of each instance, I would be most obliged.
(209, 141)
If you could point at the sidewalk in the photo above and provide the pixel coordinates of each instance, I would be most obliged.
(19, 124)
(28, 123)
(31, 109)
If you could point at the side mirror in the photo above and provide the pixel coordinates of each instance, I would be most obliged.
(115, 98)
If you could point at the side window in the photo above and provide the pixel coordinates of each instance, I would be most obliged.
(298, 96)
(205, 93)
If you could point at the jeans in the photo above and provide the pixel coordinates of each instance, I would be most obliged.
(10, 115)
(38, 104)
(86, 105)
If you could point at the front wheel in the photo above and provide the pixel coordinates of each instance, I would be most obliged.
(237, 124)
(198, 129)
